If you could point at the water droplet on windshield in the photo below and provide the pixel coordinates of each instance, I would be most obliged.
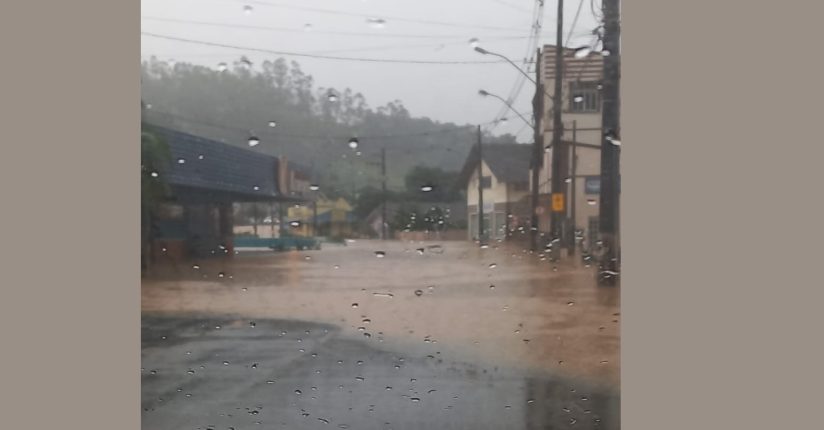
(272, 123)
(307, 27)
(376, 22)
(222, 67)
(154, 174)
(380, 254)
(592, 202)
(474, 42)
(353, 142)
(256, 188)
(314, 187)
(582, 51)
(253, 140)
(354, 305)
(247, 9)
(493, 265)
(418, 293)
(298, 392)
(359, 378)
(225, 363)
(181, 161)
(332, 97)
(427, 188)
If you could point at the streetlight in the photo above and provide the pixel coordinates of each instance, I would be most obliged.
(486, 52)
(485, 93)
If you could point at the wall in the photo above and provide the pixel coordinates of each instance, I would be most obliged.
(496, 197)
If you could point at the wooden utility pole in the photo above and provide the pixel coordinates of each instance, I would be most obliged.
(559, 153)
(538, 150)
(383, 192)
(610, 146)
(480, 190)
(574, 179)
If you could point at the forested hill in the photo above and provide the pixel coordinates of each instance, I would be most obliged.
(310, 127)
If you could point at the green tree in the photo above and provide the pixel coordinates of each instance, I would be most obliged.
(154, 161)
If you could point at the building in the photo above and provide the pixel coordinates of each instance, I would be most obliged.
(206, 178)
(453, 214)
(334, 218)
(505, 180)
(581, 111)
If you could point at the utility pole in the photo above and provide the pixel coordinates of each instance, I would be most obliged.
(559, 153)
(574, 178)
(610, 152)
(383, 192)
(480, 190)
(538, 150)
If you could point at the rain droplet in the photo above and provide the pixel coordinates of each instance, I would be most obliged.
(190, 371)
(332, 97)
(353, 142)
(295, 223)
(314, 187)
(474, 42)
(181, 161)
(359, 363)
(271, 381)
(578, 98)
(244, 289)
(530, 401)
(225, 363)
(256, 188)
(493, 265)
(253, 140)
(415, 399)
(418, 293)
(376, 22)
(298, 392)
(272, 124)
(592, 202)
(491, 287)
(359, 378)
(570, 303)
(247, 9)
(427, 188)
(385, 295)
(222, 67)
(354, 305)
(245, 63)
(613, 141)
(307, 27)
(420, 251)
(380, 254)
(325, 421)
(154, 174)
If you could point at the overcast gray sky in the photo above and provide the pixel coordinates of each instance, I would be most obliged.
(429, 30)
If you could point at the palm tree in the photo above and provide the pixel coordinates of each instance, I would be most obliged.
(154, 160)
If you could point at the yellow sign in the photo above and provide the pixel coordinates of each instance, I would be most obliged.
(557, 202)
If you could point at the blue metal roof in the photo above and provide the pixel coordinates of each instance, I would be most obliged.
(206, 164)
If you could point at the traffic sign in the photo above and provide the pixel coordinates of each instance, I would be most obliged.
(557, 202)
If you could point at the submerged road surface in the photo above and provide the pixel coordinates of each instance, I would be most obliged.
(380, 335)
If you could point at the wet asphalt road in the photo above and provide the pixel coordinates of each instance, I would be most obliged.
(275, 341)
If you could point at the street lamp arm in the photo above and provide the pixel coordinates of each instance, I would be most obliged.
(486, 52)
(486, 93)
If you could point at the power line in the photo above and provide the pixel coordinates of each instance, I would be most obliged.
(299, 54)
(537, 19)
(300, 30)
(396, 18)
(512, 6)
(574, 22)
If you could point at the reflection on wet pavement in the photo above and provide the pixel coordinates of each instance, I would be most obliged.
(410, 340)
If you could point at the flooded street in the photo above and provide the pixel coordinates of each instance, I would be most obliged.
(383, 331)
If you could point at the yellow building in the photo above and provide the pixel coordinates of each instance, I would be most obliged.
(334, 218)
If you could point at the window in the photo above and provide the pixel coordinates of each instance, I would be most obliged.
(584, 97)
(486, 182)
